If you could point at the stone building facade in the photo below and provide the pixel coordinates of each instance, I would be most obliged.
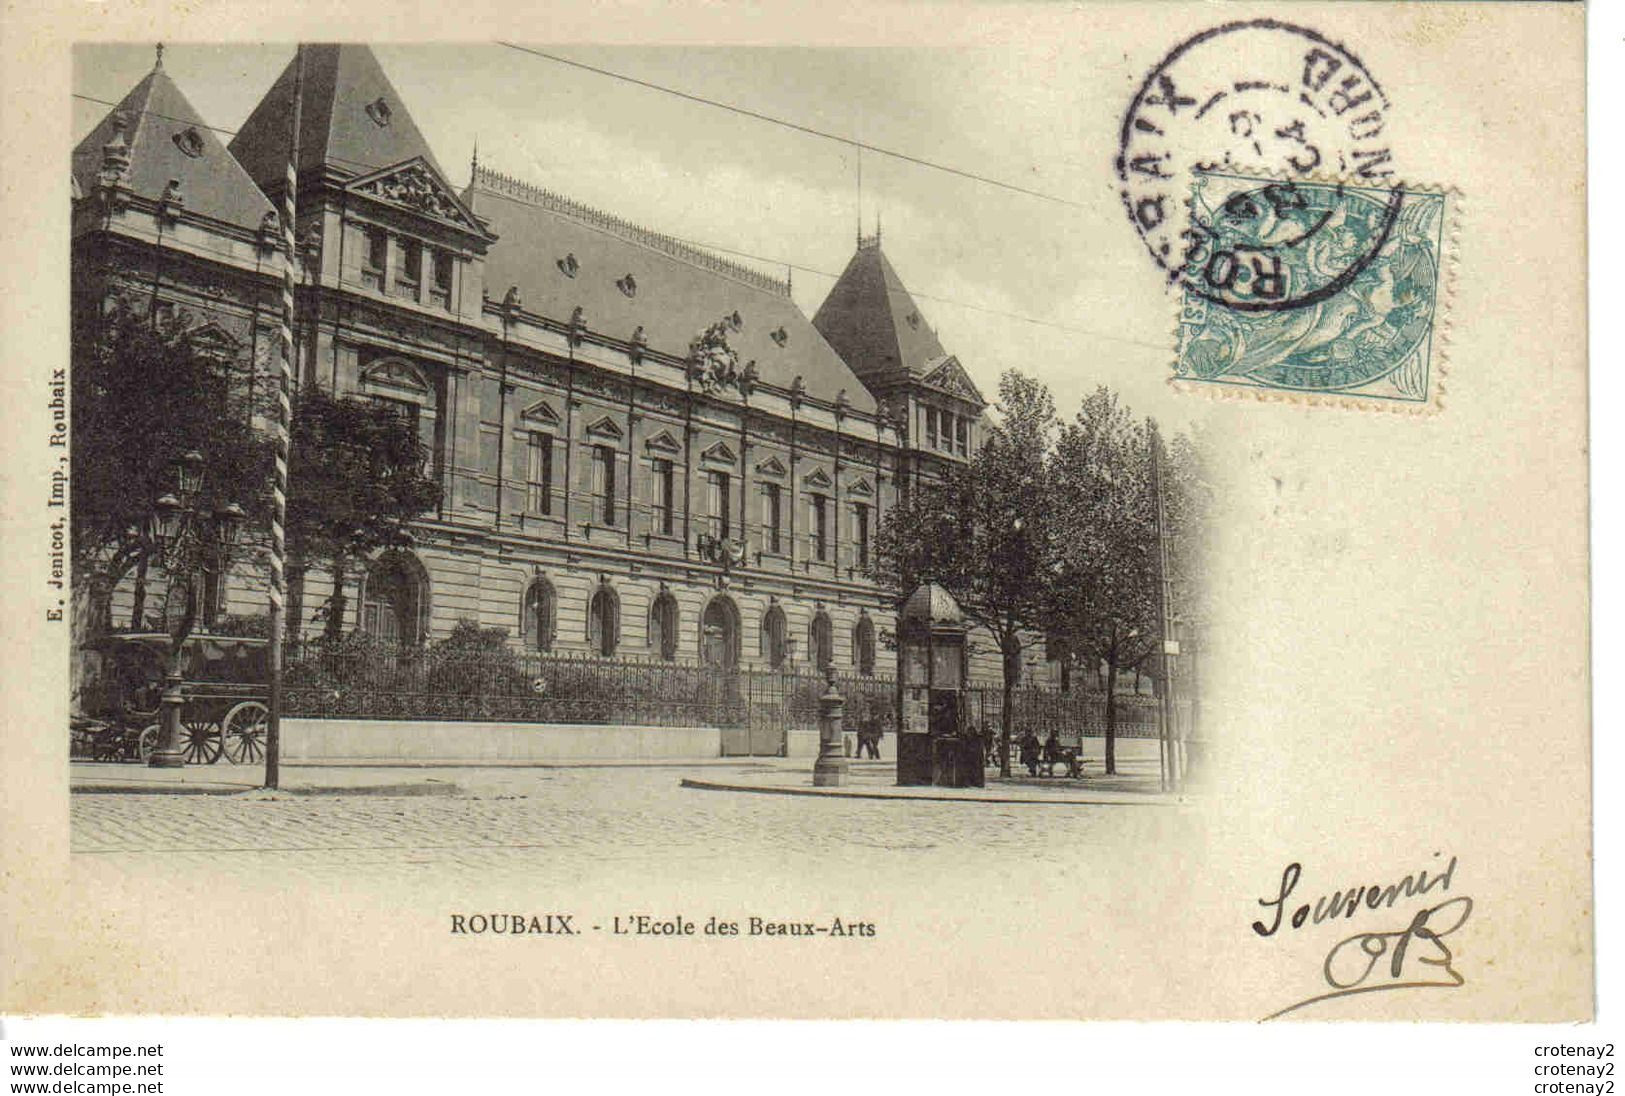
(605, 489)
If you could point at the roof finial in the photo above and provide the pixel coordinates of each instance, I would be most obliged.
(158, 65)
(860, 195)
(474, 164)
(877, 226)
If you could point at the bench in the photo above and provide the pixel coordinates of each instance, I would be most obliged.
(1068, 758)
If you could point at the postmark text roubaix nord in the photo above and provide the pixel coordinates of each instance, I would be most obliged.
(1254, 166)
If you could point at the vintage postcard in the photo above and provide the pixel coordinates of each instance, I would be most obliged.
(952, 511)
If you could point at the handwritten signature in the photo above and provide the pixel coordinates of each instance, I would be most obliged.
(1352, 963)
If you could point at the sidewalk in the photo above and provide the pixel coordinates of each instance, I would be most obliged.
(1135, 783)
(350, 777)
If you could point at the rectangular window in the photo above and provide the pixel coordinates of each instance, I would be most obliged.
(948, 431)
(860, 533)
(377, 250)
(721, 527)
(375, 259)
(931, 427)
(772, 517)
(962, 436)
(603, 482)
(440, 286)
(539, 475)
(405, 410)
(423, 427)
(820, 527)
(665, 497)
(411, 263)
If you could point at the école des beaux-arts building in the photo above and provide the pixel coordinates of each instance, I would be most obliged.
(601, 492)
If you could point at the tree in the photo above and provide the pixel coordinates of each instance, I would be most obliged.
(356, 481)
(146, 391)
(985, 532)
(1105, 599)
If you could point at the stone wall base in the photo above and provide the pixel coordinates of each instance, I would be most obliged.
(390, 740)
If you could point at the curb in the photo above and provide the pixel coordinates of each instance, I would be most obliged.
(843, 793)
(396, 790)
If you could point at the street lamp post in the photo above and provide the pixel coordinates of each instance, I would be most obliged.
(188, 541)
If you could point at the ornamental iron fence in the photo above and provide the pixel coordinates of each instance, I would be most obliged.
(359, 678)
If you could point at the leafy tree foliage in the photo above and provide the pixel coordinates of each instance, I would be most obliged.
(145, 391)
(1050, 531)
(1105, 602)
(985, 532)
(356, 481)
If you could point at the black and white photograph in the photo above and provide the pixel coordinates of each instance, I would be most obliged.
(1079, 516)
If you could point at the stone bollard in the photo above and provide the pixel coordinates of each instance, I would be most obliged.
(830, 770)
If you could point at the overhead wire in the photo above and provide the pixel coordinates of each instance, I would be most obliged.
(851, 142)
(769, 260)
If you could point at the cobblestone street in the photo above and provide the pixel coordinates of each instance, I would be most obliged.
(542, 819)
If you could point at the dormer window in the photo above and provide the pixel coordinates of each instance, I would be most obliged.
(627, 285)
(378, 110)
(190, 141)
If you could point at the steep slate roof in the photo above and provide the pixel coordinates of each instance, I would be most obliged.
(156, 113)
(677, 290)
(872, 322)
(336, 127)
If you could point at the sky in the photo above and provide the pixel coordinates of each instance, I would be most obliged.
(967, 250)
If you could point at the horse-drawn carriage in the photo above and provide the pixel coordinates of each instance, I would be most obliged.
(223, 685)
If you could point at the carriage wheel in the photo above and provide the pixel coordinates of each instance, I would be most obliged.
(147, 742)
(243, 732)
(200, 740)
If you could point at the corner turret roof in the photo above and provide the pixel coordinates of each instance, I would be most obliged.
(875, 326)
(352, 120)
(168, 140)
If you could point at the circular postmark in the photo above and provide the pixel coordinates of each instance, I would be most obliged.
(1262, 97)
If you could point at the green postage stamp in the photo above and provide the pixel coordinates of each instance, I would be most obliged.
(1312, 287)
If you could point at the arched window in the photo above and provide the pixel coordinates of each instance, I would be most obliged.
(604, 620)
(774, 634)
(538, 615)
(719, 633)
(822, 646)
(863, 645)
(663, 625)
(395, 600)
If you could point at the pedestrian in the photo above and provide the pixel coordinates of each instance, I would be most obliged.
(876, 730)
(1052, 750)
(1030, 751)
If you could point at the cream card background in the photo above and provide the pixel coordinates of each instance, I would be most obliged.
(1403, 602)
